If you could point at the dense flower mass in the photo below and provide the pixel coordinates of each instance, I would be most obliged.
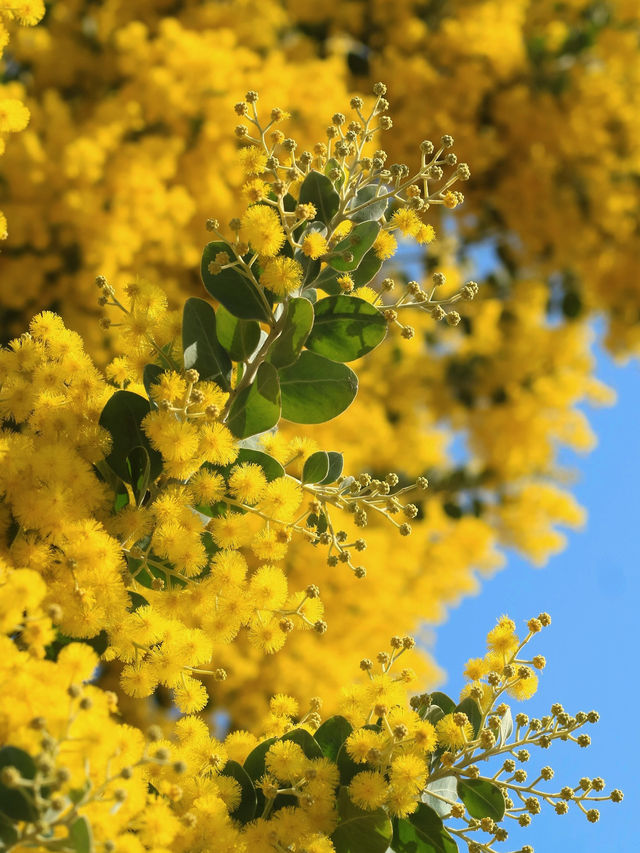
(191, 520)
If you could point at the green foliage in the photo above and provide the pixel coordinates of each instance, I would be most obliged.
(13, 802)
(202, 350)
(239, 337)
(356, 244)
(368, 268)
(481, 798)
(332, 734)
(235, 291)
(139, 466)
(359, 830)
(346, 328)
(271, 467)
(295, 331)
(256, 408)
(373, 210)
(318, 190)
(422, 832)
(122, 417)
(246, 809)
(316, 467)
(315, 389)
(444, 787)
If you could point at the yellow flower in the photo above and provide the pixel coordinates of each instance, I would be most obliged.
(285, 760)
(523, 688)
(281, 275)
(502, 638)
(314, 245)
(283, 706)
(408, 773)
(368, 789)
(360, 742)
(14, 116)
(247, 482)
(425, 234)
(253, 160)
(407, 221)
(261, 228)
(451, 735)
(385, 245)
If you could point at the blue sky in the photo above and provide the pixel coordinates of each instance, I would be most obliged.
(591, 591)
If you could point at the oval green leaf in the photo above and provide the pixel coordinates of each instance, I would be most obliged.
(237, 293)
(238, 337)
(150, 376)
(445, 787)
(375, 208)
(317, 189)
(80, 836)
(481, 798)
(443, 701)
(336, 462)
(254, 762)
(360, 831)
(295, 331)
(139, 472)
(357, 242)
(202, 350)
(315, 389)
(364, 274)
(256, 408)
(316, 467)
(422, 832)
(246, 809)
(12, 801)
(332, 734)
(122, 417)
(346, 328)
(305, 741)
(271, 467)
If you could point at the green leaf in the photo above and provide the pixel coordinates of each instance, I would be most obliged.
(332, 734)
(346, 328)
(330, 165)
(422, 832)
(358, 242)
(254, 762)
(374, 210)
(150, 376)
(305, 741)
(202, 350)
(347, 766)
(297, 325)
(139, 472)
(336, 462)
(361, 276)
(80, 836)
(445, 787)
(246, 809)
(315, 389)
(360, 831)
(256, 408)
(471, 708)
(239, 337)
(481, 798)
(443, 701)
(122, 417)
(237, 293)
(12, 801)
(271, 467)
(318, 190)
(316, 467)
(8, 832)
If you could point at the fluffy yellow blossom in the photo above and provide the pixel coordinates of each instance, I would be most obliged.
(261, 229)
(281, 275)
